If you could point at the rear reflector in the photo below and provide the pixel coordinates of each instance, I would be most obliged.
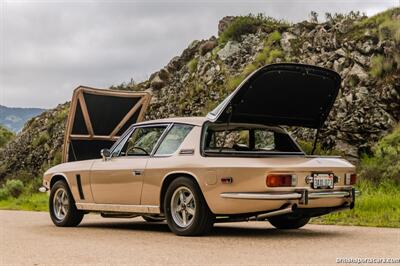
(351, 179)
(280, 180)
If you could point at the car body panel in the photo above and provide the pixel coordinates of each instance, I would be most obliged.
(122, 176)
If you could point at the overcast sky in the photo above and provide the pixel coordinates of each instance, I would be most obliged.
(47, 48)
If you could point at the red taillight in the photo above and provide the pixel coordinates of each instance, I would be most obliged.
(279, 180)
(351, 179)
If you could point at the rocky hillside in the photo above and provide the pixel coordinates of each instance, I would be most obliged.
(365, 51)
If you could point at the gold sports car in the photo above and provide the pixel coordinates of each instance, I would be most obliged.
(236, 164)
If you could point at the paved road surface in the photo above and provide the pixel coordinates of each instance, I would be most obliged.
(31, 238)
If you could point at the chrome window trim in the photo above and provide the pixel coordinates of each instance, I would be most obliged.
(171, 154)
(130, 131)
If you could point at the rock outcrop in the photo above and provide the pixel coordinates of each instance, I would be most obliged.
(364, 51)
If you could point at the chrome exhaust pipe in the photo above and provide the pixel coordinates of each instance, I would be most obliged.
(287, 210)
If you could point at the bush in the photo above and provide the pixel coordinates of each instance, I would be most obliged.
(192, 65)
(307, 147)
(250, 24)
(14, 187)
(380, 66)
(4, 194)
(41, 139)
(240, 26)
(384, 163)
(5, 136)
(390, 29)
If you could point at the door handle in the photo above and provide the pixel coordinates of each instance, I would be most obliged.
(137, 172)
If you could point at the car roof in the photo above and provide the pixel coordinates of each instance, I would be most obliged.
(194, 120)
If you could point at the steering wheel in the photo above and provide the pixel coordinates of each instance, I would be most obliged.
(136, 148)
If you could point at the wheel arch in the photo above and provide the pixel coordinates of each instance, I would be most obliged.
(57, 177)
(167, 180)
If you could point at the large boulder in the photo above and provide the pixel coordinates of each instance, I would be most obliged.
(230, 49)
(224, 23)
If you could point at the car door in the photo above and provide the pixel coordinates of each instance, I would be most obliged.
(119, 179)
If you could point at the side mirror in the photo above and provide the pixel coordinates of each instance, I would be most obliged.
(105, 154)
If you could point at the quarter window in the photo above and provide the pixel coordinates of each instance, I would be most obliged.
(173, 139)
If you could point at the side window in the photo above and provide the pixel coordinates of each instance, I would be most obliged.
(173, 139)
(140, 142)
(143, 140)
(120, 146)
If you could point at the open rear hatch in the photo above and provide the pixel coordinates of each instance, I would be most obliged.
(281, 94)
(97, 118)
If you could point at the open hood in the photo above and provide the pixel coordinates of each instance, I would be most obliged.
(281, 94)
(97, 118)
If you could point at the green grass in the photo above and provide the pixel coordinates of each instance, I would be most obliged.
(26, 202)
(378, 206)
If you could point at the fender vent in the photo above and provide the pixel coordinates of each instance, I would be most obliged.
(79, 184)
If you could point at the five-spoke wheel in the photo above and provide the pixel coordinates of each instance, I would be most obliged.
(63, 211)
(185, 208)
(60, 203)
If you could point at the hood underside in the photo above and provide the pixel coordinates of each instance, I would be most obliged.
(281, 94)
(97, 118)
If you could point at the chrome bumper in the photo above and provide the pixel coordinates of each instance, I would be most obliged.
(289, 196)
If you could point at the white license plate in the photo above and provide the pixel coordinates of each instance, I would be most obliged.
(323, 180)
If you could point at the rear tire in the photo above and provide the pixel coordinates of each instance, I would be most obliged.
(63, 211)
(287, 222)
(186, 210)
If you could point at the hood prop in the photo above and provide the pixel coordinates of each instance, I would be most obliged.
(315, 141)
(230, 110)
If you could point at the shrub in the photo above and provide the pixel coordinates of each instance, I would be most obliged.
(384, 163)
(240, 26)
(4, 194)
(275, 36)
(192, 65)
(14, 187)
(5, 136)
(41, 139)
(307, 147)
(390, 29)
(380, 66)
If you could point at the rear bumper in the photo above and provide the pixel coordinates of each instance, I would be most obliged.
(303, 195)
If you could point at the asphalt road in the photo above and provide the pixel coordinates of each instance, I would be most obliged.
(31, 238)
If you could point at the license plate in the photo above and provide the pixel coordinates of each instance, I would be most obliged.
(323, 180)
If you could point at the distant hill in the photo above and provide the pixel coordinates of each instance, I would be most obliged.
(14, 118)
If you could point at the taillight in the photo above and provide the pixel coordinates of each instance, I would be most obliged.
(351, 179)
(281, 180)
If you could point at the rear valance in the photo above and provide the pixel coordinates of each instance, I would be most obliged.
(281, 94)
(97, 118)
